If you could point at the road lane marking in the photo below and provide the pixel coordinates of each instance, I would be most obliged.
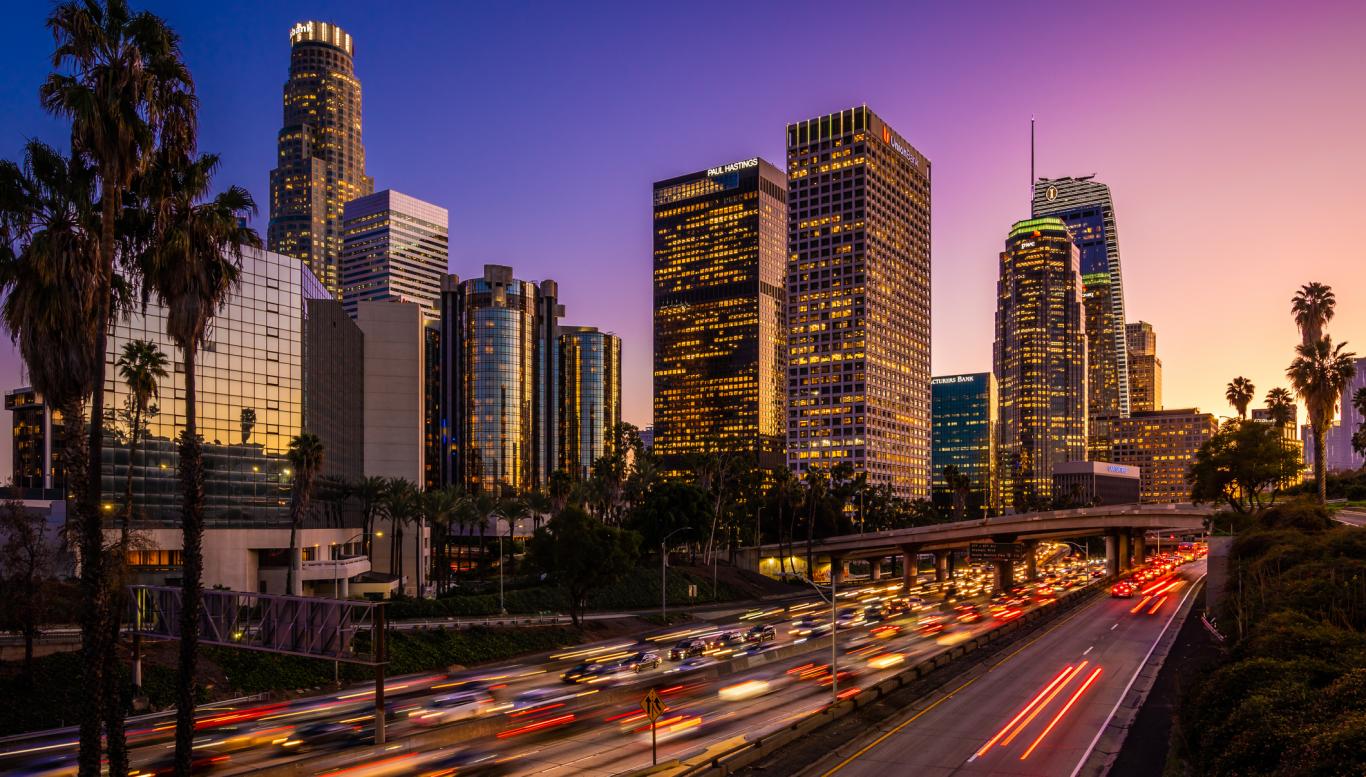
(951, 694)
(1091, 747)
(1112, 628)
(1088, 650)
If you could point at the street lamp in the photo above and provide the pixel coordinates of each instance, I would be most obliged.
(512, 524)
(664, 573)
(834, 609)
(1083, 549)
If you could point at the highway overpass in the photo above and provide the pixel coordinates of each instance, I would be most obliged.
(1123, 526)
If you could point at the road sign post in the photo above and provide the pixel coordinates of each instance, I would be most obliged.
(654, 707)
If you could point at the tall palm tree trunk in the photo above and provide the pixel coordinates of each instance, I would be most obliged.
(1320, 466)
(192, 482)
(92, 587)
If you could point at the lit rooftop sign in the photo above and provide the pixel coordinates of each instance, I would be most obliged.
(733, 166)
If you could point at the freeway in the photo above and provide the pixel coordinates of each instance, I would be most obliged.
(1352, 517)
(1041, 709)
(532, 722)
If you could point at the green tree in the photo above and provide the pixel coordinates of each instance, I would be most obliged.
(402, 503)
(671, 505)
(1241, 463)
(142, 367)
(441, 506)
(1312, 306)
(1280, 405)
(192, 267)
(306, 461)
(369, 494)
(26, 557)
(960, 486)
(1239, 393)
(123, 84)
(582, 554)
(1320, 374)
(49, 221)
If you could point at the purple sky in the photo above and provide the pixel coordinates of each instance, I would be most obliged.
(1231, 136)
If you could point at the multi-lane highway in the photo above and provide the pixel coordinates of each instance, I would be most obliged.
(1040, 709)
(532, 722)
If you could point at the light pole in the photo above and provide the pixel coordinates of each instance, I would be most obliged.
(1083, 549)
(834, 653)
(664, 573)
(511, 522)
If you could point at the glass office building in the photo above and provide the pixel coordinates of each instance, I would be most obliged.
(250, 376)
(497, 425)
(1040, 359)
(589, 396)
(320, 159)
(965, 418)
(1089, 212)
(394, 247)
(720, 346)
(1145, 368)
(858, 290)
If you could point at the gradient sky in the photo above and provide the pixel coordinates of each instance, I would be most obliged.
(1231, 135)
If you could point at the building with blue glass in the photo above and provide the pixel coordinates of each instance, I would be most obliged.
(1086, 207)
(964, 419)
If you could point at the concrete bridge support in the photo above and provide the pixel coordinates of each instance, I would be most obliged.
(1140, 547)
(941, 566)
(875, 569)
(839, 569)
(1031, 560)
(1005, 575)
(910, 565)
(1112, 555)
(1125, 552)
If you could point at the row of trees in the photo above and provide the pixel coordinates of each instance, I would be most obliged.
(124, 218)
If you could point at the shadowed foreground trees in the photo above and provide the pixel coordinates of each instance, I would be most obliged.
(582, 554)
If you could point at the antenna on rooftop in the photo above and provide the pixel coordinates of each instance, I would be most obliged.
(1031, 158)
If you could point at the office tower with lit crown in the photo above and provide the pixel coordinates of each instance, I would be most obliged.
(1087, 208)
(965, 418)
(1040, 359)
(858, 290)
(589, 396)
(498, 334)
(320, 164)
(37, 452)
(720, 337)
(394, 247)
(1145, 368)
(1162, 444)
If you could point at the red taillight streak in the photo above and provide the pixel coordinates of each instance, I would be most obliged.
(1024, 711)
(1160, 602)
(536, 726)
(1062, 712)
(533, 710)
(1047, 700)
(1140, 605)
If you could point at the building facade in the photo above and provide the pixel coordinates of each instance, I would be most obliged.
(1145, 368)
(965, 413)
(36, 430)
(394, 248)
(858, 289)
(1338, 453)
(498, 427)
(720, 334)
(589, 396)
(1086, 207)
(1162, 444)
(1095, 483)
(1040, 360)
(320, 163)
(334, 387)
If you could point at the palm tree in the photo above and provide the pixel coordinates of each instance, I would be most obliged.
(441, 506)
(401, 504)
(1280, 405)
(142, 366)
(511, 509)
(1320, 373)
(817, 483)
(49, 228)
(192, 267)
(1312, 307)
(247, 420)
(960, 487)
(306, 460)
(1239, 393)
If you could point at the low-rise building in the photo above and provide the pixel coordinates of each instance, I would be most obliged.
(1095, 483)
(1162, 444)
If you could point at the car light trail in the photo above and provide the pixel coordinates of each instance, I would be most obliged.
(1140, 605)
(1025, 723)
(536, 726)
(1160, 602)
(1077, 695)
(1032, 703)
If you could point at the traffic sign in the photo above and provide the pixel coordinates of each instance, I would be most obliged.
(996, 551)
(653, 705)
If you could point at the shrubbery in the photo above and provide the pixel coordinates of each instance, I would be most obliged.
(1290, 696)
(59, 694)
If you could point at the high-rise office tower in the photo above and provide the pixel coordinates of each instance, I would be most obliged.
(320, 165)
(498, 334)
(720, 338)
(394, 247)
(590, 396)
(966, 416)
(1085, 205)
(1145, 368)
(858, 289)
(1040, 359)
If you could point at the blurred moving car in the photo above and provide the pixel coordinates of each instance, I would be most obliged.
(641, 661)
(1122, 590)
(687, 649)
(322, 734)
(761, 633)
(461, 705)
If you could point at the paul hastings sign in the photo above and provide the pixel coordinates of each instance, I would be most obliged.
(733, 166)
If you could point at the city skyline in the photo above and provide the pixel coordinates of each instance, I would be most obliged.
(1163, 177)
